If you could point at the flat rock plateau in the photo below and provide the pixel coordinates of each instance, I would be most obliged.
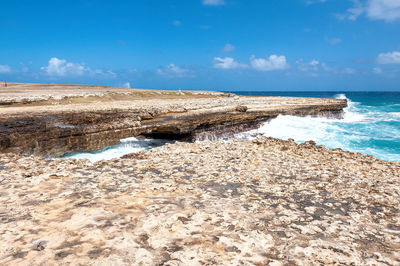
(58, 119)
(259, 202)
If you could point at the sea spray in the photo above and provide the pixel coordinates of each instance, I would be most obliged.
(370, 125)
(126, 146)
(362, 129)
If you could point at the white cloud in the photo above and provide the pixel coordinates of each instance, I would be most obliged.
(313, 65)
(213, 2)
(5, 69)
(60, 67)
(387, 10)
(174, 71)
(228, 48)
(227, 63)
(273, 62)
(356, 11)
(389, 58)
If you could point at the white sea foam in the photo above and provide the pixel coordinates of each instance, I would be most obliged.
(126, 146)
(395, 115)
(362, 128)
(341, 96)
(350, 133)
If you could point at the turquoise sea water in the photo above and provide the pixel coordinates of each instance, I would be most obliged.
(371, 123)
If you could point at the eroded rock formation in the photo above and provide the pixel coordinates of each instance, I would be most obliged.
(55, 127)
(261, 202)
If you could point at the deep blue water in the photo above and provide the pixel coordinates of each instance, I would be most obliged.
(371, 124)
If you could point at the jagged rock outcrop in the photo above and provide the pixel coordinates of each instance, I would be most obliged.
(56, 133)
(56, 126)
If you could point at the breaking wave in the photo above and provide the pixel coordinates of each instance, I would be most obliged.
(370, 125)
(126, 146)
(365, 129)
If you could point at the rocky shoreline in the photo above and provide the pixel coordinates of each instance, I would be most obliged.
(87, 118)
(265, 201)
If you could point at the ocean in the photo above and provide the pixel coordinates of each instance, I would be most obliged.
(370, 125)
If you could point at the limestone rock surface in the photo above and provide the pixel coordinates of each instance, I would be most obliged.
(257, 202)
(53, 120)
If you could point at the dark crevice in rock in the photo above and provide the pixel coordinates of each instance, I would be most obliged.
(56, 134)
(168, 136)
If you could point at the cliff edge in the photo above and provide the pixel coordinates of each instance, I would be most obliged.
(58, 119)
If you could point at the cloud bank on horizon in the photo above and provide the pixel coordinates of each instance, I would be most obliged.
(205, 44)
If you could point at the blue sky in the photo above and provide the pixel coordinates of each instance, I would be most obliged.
(204, 44)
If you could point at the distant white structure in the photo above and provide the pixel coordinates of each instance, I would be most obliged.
(126, 85)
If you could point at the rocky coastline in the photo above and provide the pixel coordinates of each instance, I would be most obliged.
(259, 202)
(68, 120)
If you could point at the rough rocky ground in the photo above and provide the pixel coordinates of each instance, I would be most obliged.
(73, 118)
(36, 94)
(20, 99)
(257, 202)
